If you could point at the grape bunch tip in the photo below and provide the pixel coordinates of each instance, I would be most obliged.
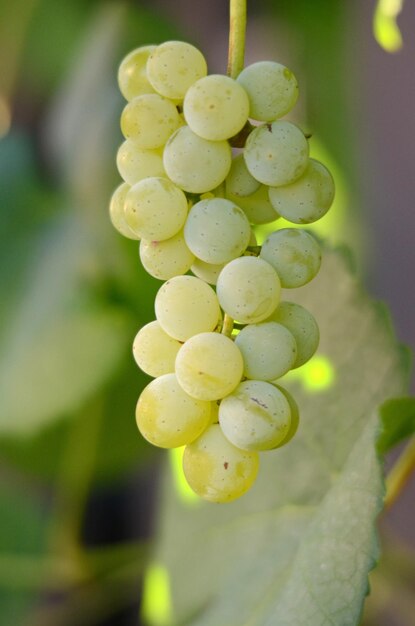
(192, 202)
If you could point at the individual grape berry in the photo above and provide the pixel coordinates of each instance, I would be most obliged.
(269, 350)
(216, 107)
(196, 165)
(307, 199)
(295, 417)
(257, 207)
(186, 306)
(207, 271)
(248, 289)
(276, 154)
(209, 366)
(303, 327)
(217, 470)
(135, 164)
(294, 254)
(272, 90)
(217, 231)
(117, 215)
(167, 258)
(256, 416)
(155, 209)
(239, 182)
(173, 67)
(167, 417)
(154, 351)
(149, 120)
(132, 74)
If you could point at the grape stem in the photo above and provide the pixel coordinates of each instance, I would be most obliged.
(400, 473)
(237, 29)
(227, 326)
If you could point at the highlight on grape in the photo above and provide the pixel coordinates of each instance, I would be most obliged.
(206, 158)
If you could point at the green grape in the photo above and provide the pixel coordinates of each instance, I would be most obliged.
(209, 366)
(256, 416)
(308, 198)
(257, 207)
(239, 182)
(167, 417)
(173, 67)
(248, 289)
(117, 216)
(154, 351)
(207, 271)
(134, 163)
(269, 350)
(272, 90)
(295, 417)
(167, 258)
(216, 470)
(216, 107)
(302, 325)
(149, 120)
(217, 231)
(276, 154)
(132, 74)
(186, 306)
(155, 209)
(294, 254)
(195, 164)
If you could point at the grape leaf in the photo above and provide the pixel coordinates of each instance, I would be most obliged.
(398, 422)
(298, 547)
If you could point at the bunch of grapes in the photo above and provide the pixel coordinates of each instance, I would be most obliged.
(205, 158)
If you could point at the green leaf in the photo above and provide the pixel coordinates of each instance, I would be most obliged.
(298, 547)
(398, 422)
(61, 343)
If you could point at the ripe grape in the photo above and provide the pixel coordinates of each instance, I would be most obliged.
(217, 231)
(216, 107)
(132, 74)
(167, 258)
(303, 327)
(272, 90)
(173, 67)
(209, 366)
(186, 306)
(154, 351)
(135, 164)
(257, 207)
(294, 254)
(207, 271)
(269, 350)
(276, 154)
(117, 215)
(155, 208)
(216, 470)
(149, 120)
(248, 289)
(295, 417)
(307, 199)
(167, 417)
(239, 182)
(256, 416)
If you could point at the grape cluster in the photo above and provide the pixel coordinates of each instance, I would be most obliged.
(205, 157)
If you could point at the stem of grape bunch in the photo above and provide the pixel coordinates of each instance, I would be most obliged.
(237, 29)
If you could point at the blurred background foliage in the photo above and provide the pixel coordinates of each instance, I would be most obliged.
(74, 471)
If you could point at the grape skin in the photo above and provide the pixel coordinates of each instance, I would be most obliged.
(301, 323)
(294, 254)
(276, 154)
(155, 209)
(216, 470)
(272, 90)
(216, 231)
(216, 107)
(256, 416)
(135, 164)
(132, 74)
(116, 210)
(269, 350)
(149, 120)
(196, 165)
(307, 199)
(248, 289)
(209, 366)
(295, 417)
(173, 67)
(257, 207)
(239, 182)
(207, 271)
(186, 306)
(167, 417)
(168, 258)
(154, 351)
